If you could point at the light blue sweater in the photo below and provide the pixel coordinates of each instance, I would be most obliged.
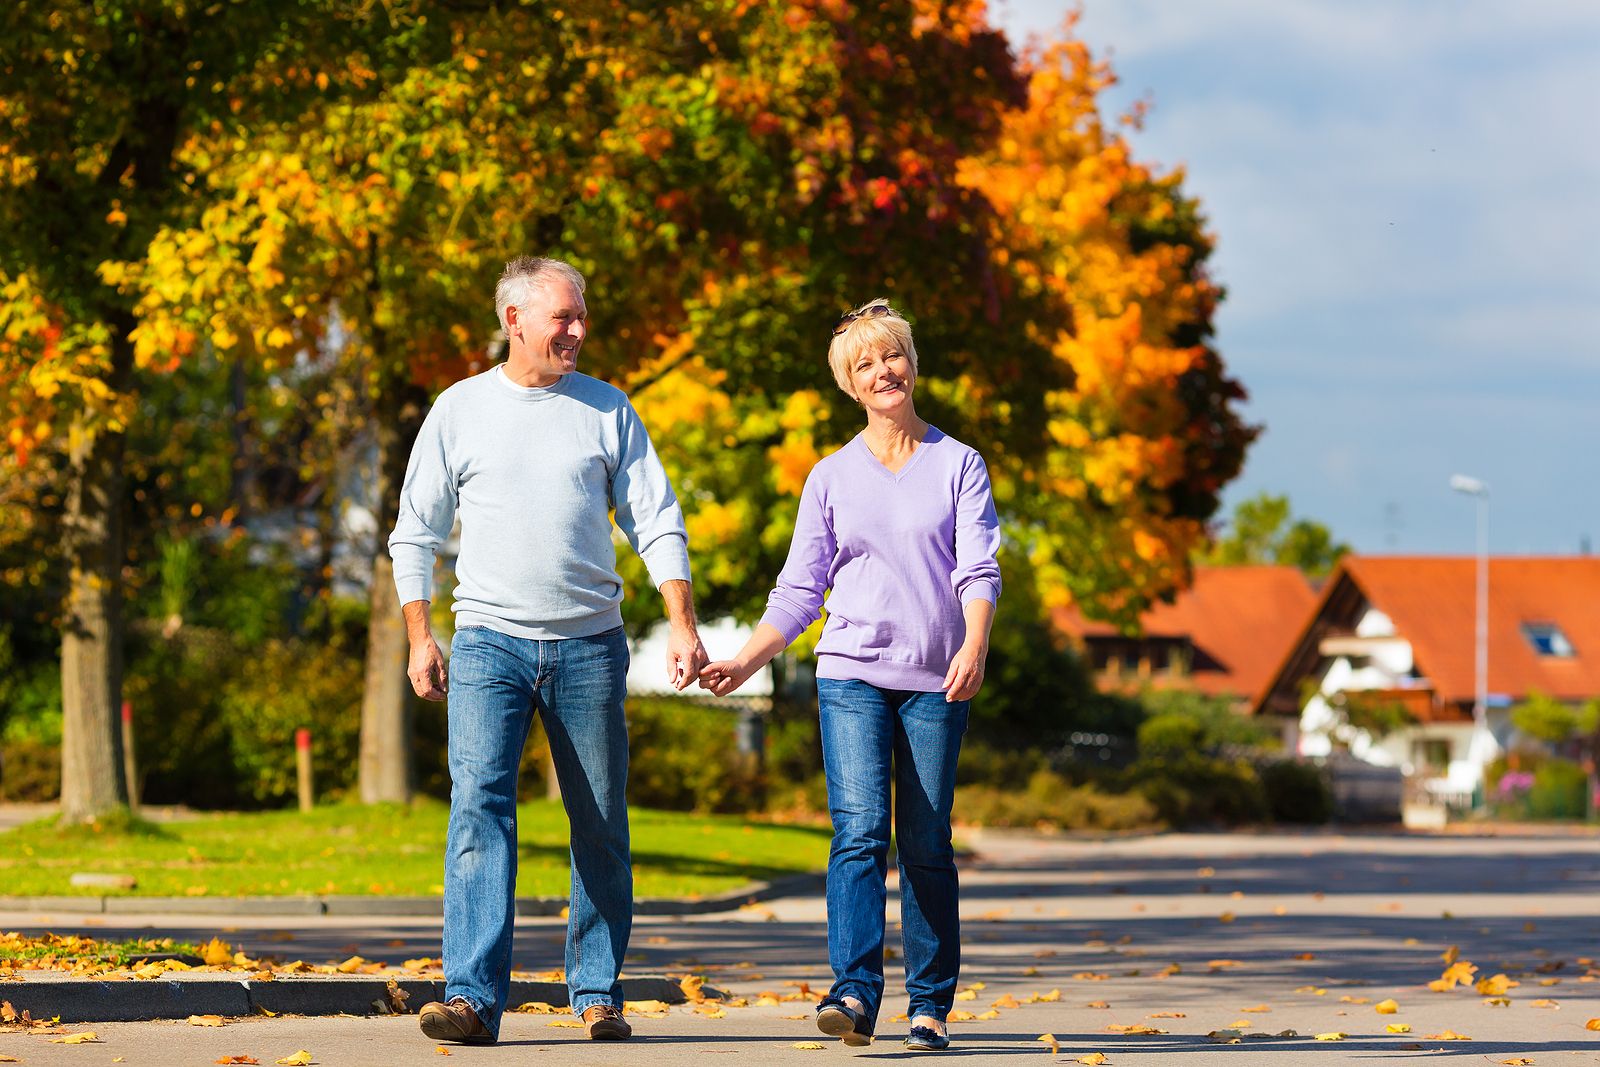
(535, 474)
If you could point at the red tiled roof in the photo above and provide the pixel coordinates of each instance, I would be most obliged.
(1432, 601)
(1241, 619)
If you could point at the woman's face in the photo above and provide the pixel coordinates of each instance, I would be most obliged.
(882, 377)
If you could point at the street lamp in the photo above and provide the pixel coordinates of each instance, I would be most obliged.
(1480, 705)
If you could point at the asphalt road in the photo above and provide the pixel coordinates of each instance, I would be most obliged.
(1185, 933)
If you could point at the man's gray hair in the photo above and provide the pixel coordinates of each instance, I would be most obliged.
(525, 275)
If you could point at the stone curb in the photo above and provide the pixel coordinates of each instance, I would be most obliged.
(168, 997)
(402, 907)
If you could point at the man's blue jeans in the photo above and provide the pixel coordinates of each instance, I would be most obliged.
(578, 686)
(864, 730)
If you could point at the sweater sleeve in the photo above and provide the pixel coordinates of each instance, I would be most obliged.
(428, 502)
(796, 602)
(647, 510)
(977, 573)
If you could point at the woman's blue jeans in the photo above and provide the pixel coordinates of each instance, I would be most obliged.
(577, 685)
(870, 737)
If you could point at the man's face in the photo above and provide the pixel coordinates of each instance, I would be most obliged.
(553, 326)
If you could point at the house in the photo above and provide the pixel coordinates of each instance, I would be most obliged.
(1223, 636)
(1391, 643)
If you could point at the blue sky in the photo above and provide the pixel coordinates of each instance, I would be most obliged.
(1406, 195)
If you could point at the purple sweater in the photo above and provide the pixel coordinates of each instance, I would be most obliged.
(902, 554)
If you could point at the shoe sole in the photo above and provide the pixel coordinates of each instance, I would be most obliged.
(917, 1046)
(444, 1028)
(836, 1023)
(609, 1033)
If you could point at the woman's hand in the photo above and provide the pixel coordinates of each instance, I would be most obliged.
(723, 676)
(965, 676)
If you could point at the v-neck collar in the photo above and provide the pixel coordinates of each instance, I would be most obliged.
(877, 464)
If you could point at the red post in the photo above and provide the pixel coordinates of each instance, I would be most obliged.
(302, 761)
(130, 766)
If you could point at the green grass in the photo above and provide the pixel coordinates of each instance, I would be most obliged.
(15, 948)
(353, 849)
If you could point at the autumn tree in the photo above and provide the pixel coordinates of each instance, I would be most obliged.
(98, 103)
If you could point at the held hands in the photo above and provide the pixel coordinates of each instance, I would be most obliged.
(686, 657)
(965, 676)
(725, 675)
(426, 669)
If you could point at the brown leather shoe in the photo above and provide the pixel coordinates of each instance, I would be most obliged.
(605, 1023)
(455, 1021)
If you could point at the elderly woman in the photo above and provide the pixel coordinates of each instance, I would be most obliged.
(898, 527)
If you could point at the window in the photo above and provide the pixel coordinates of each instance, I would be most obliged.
(1547, 639)
(1431, 754)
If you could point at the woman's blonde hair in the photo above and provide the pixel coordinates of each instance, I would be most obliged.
(873, 325)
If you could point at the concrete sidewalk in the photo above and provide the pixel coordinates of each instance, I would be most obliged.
(1182, 934)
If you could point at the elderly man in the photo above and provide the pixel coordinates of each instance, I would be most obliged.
(535, 457)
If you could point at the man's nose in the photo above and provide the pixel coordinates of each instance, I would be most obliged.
(578, 328)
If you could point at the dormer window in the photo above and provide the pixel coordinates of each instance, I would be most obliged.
(1547, 639)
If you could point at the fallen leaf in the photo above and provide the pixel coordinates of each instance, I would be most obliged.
(1496, 985)
(1305, 955)
(1458, 973)
(217, 952)
(350, 966)
(1542, 1003)
(1007, 1001)
(1167, 1015)
(575, 1024)
(1050, 1039)
(299, 1059)
(1093, 1059)
(8, 1059)
(1520, 1061)
(1355, 1000)
(8, 1014)
(1498, 1002)
(1226, 917)
(989, 1015)
(1333, 1035)
(1218, 965)
(205, 1020)
(961, 1016)
(1225, 1037)
(441, 1050)
(807, 1046)
(1451, 954)
(1133, 1028)
(1097, 1004)
(238, 1059)
(1257, 1008)
(967, 994)
(397, 997)
(75, 1039)
(1398, 1028)
(1448, 1035)
(1386, 1007)
(267, 1012)
(1592, 1024)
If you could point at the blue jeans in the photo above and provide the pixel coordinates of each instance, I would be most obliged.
(864, 729)
(578, 686)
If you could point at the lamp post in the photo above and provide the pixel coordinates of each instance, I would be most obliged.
(1475, 487)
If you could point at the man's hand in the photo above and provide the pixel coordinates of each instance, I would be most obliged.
(965, 676)
(685, 656)
(426, 667)
(426, 670)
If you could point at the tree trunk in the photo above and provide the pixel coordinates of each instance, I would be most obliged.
(92, 781)
(385, 771)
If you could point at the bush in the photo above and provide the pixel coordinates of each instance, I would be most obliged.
(1558, 792)
(1296, 792)
(688, 758)
(1170, 733)
(1050, 801)
(983, 764)
(30, 771)
(1191, 788)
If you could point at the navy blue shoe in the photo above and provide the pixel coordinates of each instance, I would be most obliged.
(836, 1019)
(926, 1039)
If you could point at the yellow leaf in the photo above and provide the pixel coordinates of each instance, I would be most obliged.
(1007, 1001)
(1133, 1028)
(1451, 954)
(441, 1050)
(1226, 917)
(217, 952)
(1542, 1003)
(1167, 1015)
(967, 994)
(988, 1015)
(1496, 985)
(351, 965)
(1333, 1035)
(238, 1059)
(807, 1046)
(1093, 1059)
(1257, 1008)
(1498, 1002)
(8, 1059)
(959, 1016)
(1592, 1024)
(299, 1059)
(1519, 1061)
(1097, 1004)
(205, 1020)
(691, 985)
(1226, 1037)
(1448, 1035)
(1050, 1039)
(1354, 1000)
(1386, 1007)
(1218, 965)
(75, 1039)
(1398, 1028)
(1458, 973)
(573, 1024)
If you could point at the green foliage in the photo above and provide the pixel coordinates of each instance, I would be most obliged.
(1548, 719)
(1189, 789)
(1297, 792)
(285, 685)
(1049, 801)
(1559, 791)
(1375, 715)
(30, 771)
(1261, 531)
(1170, 733)
(1212, 722)
(686, 759)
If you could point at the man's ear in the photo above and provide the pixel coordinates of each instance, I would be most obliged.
(513, 314)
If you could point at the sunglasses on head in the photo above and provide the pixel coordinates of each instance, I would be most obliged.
(871, 311)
